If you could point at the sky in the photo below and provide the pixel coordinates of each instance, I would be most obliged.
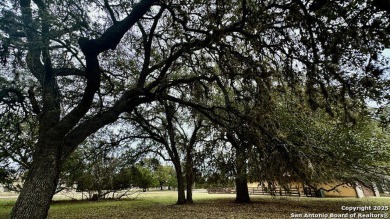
(386, 52)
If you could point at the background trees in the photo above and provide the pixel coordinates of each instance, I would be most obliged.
(172, 132)
(317, 148)
(100, 172)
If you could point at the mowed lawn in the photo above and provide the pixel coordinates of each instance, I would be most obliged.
(161, 204)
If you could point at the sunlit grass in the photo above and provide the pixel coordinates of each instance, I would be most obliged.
(157, 204)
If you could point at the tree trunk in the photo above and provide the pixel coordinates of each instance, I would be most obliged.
(189, 174)
(181, 198)
(40, 185)
(189, 193)
(242, 194)
(174, 155)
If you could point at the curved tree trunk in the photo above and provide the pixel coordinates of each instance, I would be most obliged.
(173, 153)
(40, 185)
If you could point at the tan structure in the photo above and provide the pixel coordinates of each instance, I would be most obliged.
(336, 189)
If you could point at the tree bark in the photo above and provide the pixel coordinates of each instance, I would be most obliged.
(189, 191)
(40, 185)
(190, 159)
(242, 194)
(181, 198)
(174, 155)
(189, 174)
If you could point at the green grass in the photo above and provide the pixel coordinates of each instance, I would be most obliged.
(162, 205)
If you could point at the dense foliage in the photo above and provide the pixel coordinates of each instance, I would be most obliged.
(73, 68)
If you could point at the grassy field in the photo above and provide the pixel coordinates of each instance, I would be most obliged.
(158, 204)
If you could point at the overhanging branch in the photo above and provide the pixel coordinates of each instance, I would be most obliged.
(68, 72)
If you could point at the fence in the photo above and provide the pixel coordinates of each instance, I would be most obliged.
(274, 191)
(221, 191)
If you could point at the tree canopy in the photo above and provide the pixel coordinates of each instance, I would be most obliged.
(74, 67)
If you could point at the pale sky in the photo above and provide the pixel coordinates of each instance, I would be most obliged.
(386, 52)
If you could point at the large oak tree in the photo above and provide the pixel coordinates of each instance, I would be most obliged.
(89, 61)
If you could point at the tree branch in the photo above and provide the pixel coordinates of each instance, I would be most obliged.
(112, 36)
(127, 103)
(91, 49)
(68, 72)
(33, 100)
(110, 11)
(147, 48)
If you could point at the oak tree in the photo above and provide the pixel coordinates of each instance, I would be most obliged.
(88, 61)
